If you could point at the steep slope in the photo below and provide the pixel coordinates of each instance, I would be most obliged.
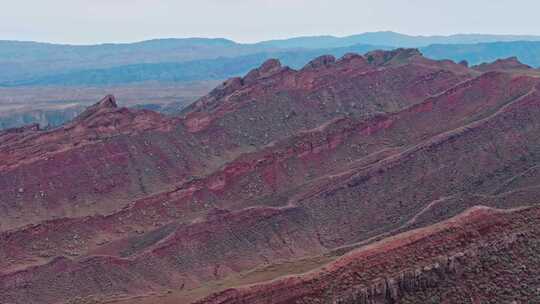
(143, 152)
(277, 99)
(282, 172)
(104, 156)
(480, 256)
(290, 170)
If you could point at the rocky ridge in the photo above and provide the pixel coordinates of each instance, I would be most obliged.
(404, 268)
(277, 166)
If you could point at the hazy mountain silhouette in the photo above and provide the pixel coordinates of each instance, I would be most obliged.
(26, 62)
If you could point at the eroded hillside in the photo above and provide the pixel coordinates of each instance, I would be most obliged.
(278, 173)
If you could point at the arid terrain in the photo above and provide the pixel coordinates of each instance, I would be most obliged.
(51, 106)
(386, 177)
(49, 84)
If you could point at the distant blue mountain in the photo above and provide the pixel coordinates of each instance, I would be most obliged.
(32, 63)
(393, 39)
(209, 69)
(20, 60)
(527, 52)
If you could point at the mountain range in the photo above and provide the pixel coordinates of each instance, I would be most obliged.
(392, 39)
(387, 177)
(51, 83)
(192, 59)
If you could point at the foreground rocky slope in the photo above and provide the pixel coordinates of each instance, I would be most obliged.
(276, 173)
(480, 256)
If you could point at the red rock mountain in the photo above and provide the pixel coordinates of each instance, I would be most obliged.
(352, 180)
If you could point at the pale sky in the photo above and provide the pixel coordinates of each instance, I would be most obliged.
(97, 21)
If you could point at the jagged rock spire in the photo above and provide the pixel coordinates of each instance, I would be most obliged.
(321, 61)
(107, 102)
(268, 68)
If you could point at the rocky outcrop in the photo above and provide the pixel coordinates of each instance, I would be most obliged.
(383, 273)
(267, 69)
(508, 64)
(322, 61)
(408, 282)
(351, 85)
(394, 56)
(108, 102)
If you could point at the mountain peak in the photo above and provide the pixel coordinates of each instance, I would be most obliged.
(510, 63)
(107, 103)
(321, 61)
(394, 56)
(268, 68)
(270, 65)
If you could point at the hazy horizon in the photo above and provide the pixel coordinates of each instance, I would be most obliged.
(265, 40)
(244, 21)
